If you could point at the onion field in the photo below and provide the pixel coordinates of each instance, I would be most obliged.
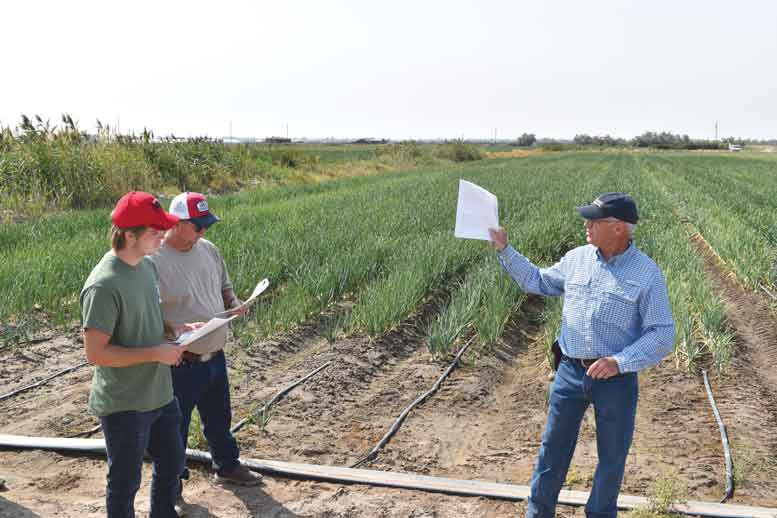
(384, 243)
(365, 273)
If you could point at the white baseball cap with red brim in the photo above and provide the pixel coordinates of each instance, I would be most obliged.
(192, 206)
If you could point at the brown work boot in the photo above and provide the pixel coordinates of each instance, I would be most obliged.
(240, 476)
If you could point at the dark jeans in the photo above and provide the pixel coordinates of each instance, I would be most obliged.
(206, 386)
(127, 437)
(615, 409)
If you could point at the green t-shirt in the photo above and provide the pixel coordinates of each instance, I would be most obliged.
(123, 301)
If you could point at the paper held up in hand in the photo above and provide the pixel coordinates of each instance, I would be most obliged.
(257, 291)
(187, 339)
(476, 212)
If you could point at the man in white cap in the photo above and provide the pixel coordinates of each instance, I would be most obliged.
(194, 284)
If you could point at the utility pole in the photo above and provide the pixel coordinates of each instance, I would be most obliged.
(716, 131)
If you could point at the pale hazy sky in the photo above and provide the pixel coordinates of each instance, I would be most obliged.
(398, 69)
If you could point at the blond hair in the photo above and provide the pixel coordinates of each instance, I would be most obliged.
(119, 235)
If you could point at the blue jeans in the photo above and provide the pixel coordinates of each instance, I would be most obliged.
(127, 437)
(615, 409)
(206, 386)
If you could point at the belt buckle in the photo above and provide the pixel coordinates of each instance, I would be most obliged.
(584, 360)
(206, 356)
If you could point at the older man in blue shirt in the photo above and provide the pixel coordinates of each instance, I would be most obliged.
(616, 321)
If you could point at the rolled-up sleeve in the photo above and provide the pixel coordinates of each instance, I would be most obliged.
(658, 329)
(529, 277)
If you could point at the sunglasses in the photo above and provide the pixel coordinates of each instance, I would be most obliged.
(198, 227)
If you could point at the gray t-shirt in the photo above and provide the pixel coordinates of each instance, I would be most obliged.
(190, 285)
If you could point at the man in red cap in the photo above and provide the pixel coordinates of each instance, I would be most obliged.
(124, 337)
(195, 285)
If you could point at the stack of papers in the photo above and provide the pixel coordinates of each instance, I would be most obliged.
(186, 339)
(257, 291)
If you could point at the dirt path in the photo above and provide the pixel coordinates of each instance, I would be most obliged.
(487, 424)
(747, 395)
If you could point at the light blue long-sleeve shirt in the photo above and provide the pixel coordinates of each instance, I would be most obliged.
(616, 308)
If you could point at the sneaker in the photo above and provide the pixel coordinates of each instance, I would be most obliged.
(181, 506)
(240, 476)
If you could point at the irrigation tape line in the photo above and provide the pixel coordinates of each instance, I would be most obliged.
(389, 479)
(43, 381)
(768, 292)
(87, 433)
(277, 397)
(401, 419)
(724, 440)
(30, 341)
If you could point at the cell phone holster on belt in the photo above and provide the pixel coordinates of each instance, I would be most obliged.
(555, 349)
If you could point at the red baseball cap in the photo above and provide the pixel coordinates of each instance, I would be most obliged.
(141, 209)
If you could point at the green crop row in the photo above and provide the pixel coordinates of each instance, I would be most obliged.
(386, 243)
(542, 224)
(733, 207)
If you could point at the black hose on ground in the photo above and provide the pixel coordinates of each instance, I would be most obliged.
(767, 291)
(87, 433)
(724, 440)
(277, 397)
(401, 419)
(41, 382)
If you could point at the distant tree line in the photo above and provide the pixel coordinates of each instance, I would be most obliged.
(663, 140)
(649, 139)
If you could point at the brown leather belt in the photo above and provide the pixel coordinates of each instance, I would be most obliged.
(585, 362)
(194, 357)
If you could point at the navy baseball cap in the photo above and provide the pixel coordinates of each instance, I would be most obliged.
(618, 205)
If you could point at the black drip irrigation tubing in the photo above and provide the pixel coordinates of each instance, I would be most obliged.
(277, 397)
(87, 433)
(31, 341)
(768, 291)
(373, 454)
(41, 382)
(724, 440)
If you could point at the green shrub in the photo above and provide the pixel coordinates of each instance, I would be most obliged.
(459, 151)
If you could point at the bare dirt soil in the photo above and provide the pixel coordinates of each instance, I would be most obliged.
(485, 423)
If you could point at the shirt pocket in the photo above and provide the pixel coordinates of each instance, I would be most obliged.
(577, 287)
(620, 304)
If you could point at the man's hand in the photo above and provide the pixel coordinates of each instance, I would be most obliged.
(236, 309)
(185, 328)
(168, 354)
(603, 368)
(498, 238)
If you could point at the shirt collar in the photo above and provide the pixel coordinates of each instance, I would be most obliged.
(616, 260)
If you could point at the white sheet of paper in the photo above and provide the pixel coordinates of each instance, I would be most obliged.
(263, 285)
(477, 211)
(189, 337)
